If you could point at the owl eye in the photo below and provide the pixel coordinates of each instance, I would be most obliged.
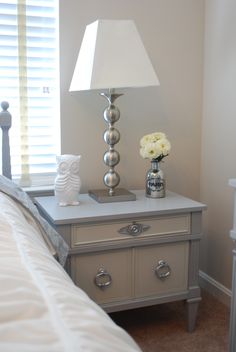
(74, 167)
(63, 167)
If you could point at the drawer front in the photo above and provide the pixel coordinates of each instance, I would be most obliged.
(166, 225)
(161, 269)
(106, 277)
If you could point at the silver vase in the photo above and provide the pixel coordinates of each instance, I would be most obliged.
(155, 181)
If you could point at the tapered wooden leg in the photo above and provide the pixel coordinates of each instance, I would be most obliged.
(192, 307)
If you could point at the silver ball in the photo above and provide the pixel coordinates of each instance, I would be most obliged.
(111, 136)
(111, 158)
(111, 114)
(111, 179)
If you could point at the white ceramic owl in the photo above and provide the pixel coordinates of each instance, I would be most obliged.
(67, 182)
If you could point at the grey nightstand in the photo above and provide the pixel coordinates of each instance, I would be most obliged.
(132, 254)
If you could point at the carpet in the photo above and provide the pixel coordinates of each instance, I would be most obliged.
(162, 328)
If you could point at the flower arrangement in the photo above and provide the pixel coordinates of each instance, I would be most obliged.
(154, 146)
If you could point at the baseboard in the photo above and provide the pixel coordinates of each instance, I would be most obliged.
(222, 293)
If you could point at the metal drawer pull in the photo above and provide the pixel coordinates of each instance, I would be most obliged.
(134, 229)
(163, 270)
(103, 279)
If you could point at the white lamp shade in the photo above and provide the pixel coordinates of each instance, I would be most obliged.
(112, 55)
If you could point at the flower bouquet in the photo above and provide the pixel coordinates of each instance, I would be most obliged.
(155, 147)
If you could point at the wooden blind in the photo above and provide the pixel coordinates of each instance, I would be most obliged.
(29, 81)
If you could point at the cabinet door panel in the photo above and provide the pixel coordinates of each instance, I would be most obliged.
(105, 276)
(161, 269)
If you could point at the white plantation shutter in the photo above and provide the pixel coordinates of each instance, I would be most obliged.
(29, 81)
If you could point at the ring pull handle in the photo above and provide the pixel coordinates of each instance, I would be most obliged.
(162, 270)
(102, 279)
(134, 229)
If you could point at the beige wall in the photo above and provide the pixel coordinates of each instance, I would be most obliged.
(218, 137)
(172, 32)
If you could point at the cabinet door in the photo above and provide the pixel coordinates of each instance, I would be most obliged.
(105, 276)
(161, 269)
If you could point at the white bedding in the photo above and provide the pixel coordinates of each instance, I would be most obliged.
(40, 307)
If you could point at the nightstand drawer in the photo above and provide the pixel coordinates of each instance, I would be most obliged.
(161, 269)
(106, 277)
(166, 225)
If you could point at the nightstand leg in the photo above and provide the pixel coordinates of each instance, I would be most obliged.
(192, 308)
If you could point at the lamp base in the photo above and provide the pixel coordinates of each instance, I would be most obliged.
(120, 195)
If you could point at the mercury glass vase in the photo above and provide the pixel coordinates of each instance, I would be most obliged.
(155, 181)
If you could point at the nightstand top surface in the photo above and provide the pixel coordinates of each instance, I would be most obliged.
(89, 210)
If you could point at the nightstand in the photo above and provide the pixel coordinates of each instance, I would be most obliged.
(132, 254)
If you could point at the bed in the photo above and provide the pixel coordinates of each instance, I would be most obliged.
(40, 307)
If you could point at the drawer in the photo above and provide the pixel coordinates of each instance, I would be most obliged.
(106, 277)
(97, 233)
(161, 269)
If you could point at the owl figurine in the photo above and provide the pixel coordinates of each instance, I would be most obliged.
(67, 182)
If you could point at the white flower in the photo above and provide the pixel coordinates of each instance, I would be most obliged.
(145, 140)
(164, 146)
(154, 146)
(156, 136)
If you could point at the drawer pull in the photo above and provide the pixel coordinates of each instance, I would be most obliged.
(134, 229)
(102, 279)
(163, 270)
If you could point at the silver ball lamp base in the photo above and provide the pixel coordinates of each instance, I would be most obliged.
(120, 195)
(111, 158)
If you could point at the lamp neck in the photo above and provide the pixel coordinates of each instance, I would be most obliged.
(111, 96)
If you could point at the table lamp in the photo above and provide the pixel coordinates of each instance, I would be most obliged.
(112, 56)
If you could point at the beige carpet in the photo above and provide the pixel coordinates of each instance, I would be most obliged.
(163, 328)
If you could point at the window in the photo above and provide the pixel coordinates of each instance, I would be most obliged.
(29, 81)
